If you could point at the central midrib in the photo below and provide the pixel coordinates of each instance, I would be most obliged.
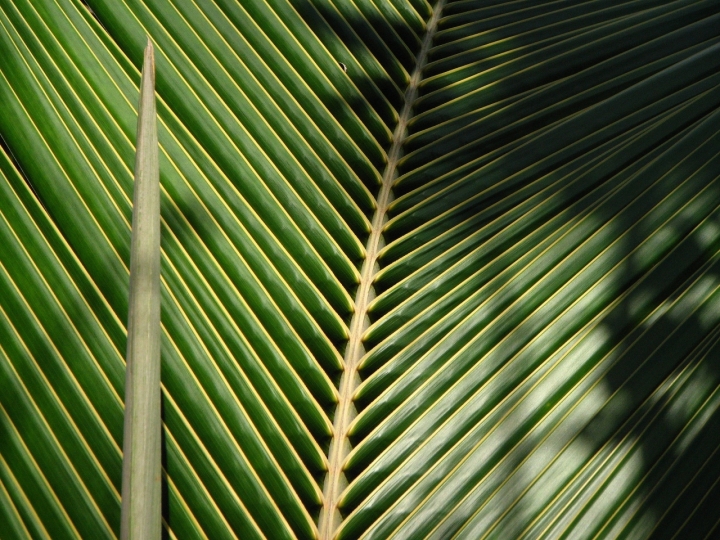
(335, 481)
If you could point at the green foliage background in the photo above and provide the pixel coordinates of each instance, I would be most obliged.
(543, 351)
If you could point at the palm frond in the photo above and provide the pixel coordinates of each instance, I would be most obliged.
(448, 270)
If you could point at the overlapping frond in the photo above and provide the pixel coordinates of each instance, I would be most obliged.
(548, 296)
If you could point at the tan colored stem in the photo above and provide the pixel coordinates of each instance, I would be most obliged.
(141, 512)
(335, 481)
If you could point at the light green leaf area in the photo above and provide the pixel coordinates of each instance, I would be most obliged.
(542, 339)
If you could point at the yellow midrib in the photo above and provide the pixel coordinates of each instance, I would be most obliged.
(335, 481)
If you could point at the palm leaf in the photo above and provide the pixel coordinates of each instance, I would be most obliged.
(427, 271)
(142, 447)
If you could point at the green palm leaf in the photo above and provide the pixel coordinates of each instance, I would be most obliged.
(427, 271)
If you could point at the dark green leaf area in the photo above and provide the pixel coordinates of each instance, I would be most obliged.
(523, 217)
(542, 354)
(517, 324)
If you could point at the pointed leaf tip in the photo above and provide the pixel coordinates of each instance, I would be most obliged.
(141, 484)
